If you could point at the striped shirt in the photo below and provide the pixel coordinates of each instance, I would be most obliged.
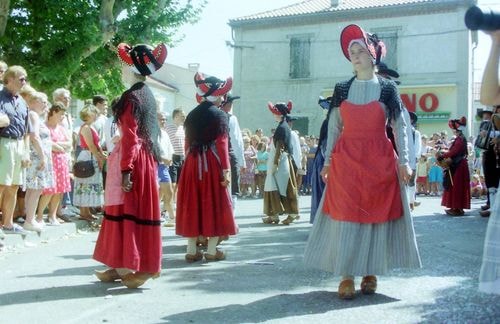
(177, 138)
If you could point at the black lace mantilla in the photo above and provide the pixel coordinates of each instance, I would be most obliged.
(204, 124)
(144, 111)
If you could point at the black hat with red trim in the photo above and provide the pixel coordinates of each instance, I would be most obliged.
(142, 58)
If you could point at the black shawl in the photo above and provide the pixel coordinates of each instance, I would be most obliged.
(204, 124)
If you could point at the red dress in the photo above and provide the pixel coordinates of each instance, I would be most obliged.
(130, 236)
(362, 180)
(457, 196)
(204, 206)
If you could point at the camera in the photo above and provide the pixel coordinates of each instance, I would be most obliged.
(482, 18)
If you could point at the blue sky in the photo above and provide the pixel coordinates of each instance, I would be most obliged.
(205, 42)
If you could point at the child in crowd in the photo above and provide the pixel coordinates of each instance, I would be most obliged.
(435, 177)
(247, 177)
(422, 172)
(260, 175)
(476, 188)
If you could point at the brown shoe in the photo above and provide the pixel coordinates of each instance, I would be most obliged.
(190, 258)
(271, 220)
(485, 213)
(137, 279)
(289, 219)
(109, 275)
(369, 285)
(219, 255)
(346, 289)
(454, 212)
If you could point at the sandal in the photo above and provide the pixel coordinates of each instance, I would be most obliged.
(219, 255)
(88, 218)
(289, 219)
(271, 220)
(137, 279)
(346, 289)
(109, 275)
(369, 285)
(190, 258)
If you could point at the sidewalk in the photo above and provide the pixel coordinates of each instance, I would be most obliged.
(263, 279)
(16, 243)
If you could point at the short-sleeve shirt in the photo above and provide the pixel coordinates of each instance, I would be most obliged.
(16, 109)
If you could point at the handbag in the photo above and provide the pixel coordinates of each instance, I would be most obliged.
(483, 142)
(83, 169)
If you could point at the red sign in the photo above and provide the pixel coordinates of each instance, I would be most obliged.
(428, 102)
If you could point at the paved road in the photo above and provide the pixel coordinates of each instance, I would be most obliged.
(262, 280)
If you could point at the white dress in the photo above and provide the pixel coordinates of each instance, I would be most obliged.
(489, 277)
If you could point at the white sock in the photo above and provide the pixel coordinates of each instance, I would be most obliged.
(191, 245)
(212, 245)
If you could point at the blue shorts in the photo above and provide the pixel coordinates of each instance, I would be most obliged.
(163, 174)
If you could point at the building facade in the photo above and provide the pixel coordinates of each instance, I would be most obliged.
(294, 53)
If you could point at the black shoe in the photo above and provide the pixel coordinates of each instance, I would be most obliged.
(485, 207)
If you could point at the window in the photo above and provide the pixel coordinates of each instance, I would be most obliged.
(300, 54)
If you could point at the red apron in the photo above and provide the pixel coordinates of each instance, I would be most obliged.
(363, 186)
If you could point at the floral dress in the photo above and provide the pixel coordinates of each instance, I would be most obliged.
(60, 164)
(89, 192)
(35, 178)
(247, 176)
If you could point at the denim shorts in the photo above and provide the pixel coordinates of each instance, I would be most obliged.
(163, 174)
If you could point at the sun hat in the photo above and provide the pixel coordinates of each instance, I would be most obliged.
(210, 87)
(280, 108)
(142, 58)
(355, 34)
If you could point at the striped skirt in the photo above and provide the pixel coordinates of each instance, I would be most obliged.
(348, 248)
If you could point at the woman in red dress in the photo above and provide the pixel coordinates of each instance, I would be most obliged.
(204, 205)
(130, 238)
(456, 181)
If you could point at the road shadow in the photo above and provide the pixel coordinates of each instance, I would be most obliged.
(91, 290)
(277, 307)
(462, 304)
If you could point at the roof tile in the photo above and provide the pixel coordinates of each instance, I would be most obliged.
(317, 6)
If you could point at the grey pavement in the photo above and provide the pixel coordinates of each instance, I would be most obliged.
(263, 278)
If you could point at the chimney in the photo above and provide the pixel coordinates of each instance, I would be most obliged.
(193, 67)
(335, 3)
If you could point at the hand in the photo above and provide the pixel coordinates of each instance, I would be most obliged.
(41, 166)
(495, 35)
(274, 169)
(226, 178)
(26, 162)
(126, 181)
(405, 173)
(324, 173)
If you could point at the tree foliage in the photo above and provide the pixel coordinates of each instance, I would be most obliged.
(72, 43)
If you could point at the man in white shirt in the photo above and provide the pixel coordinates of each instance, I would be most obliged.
(101, 103)
(236, 150)
(177, 137)
(297, 152)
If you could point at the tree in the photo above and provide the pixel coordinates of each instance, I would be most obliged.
(73, 43)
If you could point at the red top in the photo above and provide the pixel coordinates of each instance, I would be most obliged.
(95, 139)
